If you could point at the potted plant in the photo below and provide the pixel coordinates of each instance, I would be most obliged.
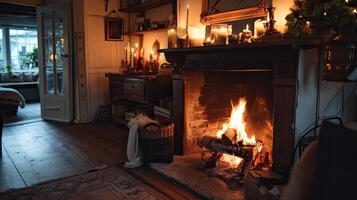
(31, 59)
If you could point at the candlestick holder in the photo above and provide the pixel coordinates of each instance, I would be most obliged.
(187, 41)
(271, 31)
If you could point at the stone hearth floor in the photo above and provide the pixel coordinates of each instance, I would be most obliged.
(188, 171)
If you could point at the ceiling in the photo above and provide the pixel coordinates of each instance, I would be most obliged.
(17, 15)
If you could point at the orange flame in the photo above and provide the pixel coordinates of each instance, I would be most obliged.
(237, 122)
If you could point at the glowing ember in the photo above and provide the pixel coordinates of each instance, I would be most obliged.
(231, 161)
(237, 122)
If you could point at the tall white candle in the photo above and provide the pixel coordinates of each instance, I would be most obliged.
(259, 27)
(187, 15)
(132, 58)
(126, 55)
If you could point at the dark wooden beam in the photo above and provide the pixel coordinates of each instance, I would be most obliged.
(17, 10)
(23, 2)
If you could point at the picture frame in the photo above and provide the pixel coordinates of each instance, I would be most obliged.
(114, 29)
(208, 17)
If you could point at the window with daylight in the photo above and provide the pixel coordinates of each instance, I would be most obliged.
(23, 49)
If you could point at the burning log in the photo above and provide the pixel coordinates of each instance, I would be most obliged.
(214, 144)
(229, 137)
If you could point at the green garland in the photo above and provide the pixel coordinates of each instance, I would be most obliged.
(325, 19)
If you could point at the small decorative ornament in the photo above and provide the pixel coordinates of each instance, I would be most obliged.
(246, 35)
(233, 39)
(207, 42)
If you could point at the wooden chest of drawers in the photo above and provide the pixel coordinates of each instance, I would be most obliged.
(143, 90)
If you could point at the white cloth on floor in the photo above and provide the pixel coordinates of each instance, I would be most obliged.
(133, 150)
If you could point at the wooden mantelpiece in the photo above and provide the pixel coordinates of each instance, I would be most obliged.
(279, 57)
(265, 51)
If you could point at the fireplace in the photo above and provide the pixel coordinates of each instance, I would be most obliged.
(211, 79)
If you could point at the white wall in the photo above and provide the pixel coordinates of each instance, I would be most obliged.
(331, 99)
(307, 90)
(156, 14)
(101, 56)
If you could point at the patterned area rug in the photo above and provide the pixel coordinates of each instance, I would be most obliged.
(111, 183)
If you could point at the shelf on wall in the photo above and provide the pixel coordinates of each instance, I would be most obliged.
(146, 6)
(147, 31)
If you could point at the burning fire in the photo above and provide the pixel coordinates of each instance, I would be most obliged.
(232, 161)
(237, 123)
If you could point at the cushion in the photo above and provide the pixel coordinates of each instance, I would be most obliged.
(5, 77)
(34, 76)
(27, 76)
(16, 77)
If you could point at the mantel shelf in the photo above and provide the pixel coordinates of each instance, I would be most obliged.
(145, 6)
(239, 57)
(281, 43)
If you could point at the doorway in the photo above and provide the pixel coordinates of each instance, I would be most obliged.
(19, 71)
(35, 62)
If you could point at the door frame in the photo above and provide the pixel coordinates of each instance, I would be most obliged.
(65, 6)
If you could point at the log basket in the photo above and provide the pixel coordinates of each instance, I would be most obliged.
(157, 142)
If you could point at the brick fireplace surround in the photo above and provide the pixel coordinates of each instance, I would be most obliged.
(268, 70)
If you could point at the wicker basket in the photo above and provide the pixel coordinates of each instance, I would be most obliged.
(157, 142)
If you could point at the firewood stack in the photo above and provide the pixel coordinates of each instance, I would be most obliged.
(251, 157)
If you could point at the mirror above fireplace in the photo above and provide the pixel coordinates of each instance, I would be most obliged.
(218, 11)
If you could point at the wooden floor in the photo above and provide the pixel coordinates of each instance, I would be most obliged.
(44, 151)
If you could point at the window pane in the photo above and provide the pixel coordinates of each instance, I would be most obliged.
(23, 44)
(2, 62)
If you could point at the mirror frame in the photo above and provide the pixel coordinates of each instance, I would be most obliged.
(233, 15)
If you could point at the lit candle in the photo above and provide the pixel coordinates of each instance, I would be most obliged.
(126, 55)
(247, 34)
(137, 51)
(172, 38)
(150, 57)
(219, 34)
(132, 57)
(187, 15)
(142, 52)
(229, 30)
(135, 60)
(246, 28)
(259, 27)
